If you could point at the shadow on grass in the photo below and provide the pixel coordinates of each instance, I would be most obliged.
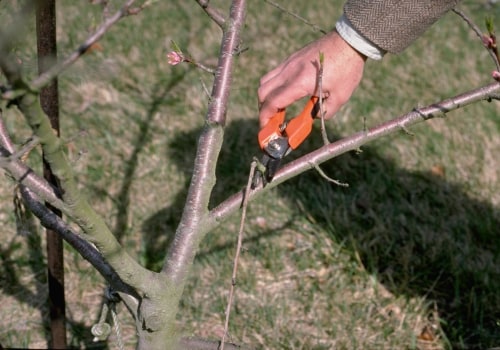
(420, 234)
(235, 158)
(122, 200)
(11, 284)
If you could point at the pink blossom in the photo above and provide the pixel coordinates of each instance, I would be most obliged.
(496, 75)
(175, 58)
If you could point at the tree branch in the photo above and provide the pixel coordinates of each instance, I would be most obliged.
(212, 12)
(237, 254)
(479, 34)
(73, 205)
(50, 220)
(77, 208)
(192, 226)
(332, 150)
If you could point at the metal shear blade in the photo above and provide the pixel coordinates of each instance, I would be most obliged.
(270, 166)
(279, 137)
(271, 160)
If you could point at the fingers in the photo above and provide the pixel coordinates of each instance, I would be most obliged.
(269, 76)
(274, 92)
(275, 99)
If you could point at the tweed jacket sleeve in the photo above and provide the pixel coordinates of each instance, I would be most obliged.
(392, 25)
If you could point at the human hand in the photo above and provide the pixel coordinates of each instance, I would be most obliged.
(297, 77)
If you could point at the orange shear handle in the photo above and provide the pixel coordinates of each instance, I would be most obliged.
(272, 129)
(296, 130)
(300, 127)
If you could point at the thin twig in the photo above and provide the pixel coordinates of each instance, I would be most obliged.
(324, 135)
(6, 142)
(203, 67)
(238, 250)
(55, 70)
(205, 88)
(328, 178)
(212, 12)
(21, 173)
(406, 130)
(132, 11)
(105, 8)
(26, 149)
(294, 15)
(178, 55)
(479, 33)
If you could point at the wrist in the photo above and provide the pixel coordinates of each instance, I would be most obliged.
(362, 45)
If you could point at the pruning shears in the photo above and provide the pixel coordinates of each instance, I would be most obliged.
(279, 137)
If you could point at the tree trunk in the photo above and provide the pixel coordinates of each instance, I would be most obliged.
(47, 52)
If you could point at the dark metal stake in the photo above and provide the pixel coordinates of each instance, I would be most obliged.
(47, 54)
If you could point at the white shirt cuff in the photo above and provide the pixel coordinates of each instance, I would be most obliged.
(357, 41)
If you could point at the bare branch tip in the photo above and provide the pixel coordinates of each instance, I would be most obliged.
(296, 16)
(258, 165)
(326, 177)
(213, 13)
(406, 130)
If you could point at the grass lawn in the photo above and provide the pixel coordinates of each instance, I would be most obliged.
(406, 257)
